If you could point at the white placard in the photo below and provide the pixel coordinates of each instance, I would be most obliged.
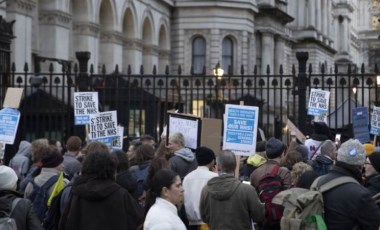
(85, 104)
(240, 129)
(103, 125)
(188, 126)
(318, 102)
(375, 121)
(9, 119)
(114, 143)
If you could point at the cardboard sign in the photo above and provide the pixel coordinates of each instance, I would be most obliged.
(9, 119)
(13, 98)
(188, 125)
(85, 104)
(211, 134)
(240, 129)
(114, 143)
(103, 125)
(375, 121)
(293, 129)
(360, 124)
(318, 102)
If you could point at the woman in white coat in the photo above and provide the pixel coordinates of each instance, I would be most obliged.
(167, 194)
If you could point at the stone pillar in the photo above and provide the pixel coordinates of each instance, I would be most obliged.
(111, 50)
(245, 52)
(163, 60)
(150, 58)
(302, 87)
(311, 16)
(85, 38)
(318, 23)
(54, 27)
(300, 9)
(22, 12)
(267, 50)
(325, 18)
(345, 36)
(130, 53)
(279, 54)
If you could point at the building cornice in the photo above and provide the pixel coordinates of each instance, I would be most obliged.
(86, 28)
(111, 37)
(55, 17)
(24, 7)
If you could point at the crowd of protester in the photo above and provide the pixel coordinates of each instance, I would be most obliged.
(164, 186)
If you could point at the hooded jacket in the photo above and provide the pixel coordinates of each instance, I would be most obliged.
(183, 162)
(322, 164)
(23, 213)
(100, 204)
(226, 203)
(20, 162)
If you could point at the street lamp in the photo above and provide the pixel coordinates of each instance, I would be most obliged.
(218, 71)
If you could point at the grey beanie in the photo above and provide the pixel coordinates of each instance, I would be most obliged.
(352, 152)
(274, 148)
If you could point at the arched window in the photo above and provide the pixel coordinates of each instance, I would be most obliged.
(199, 54)
(227, 54)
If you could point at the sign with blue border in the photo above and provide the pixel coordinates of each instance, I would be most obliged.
(9, 119)
(85, 104)
(360, 124)
(103, 125)
(240, 129)
(318, 102)
(375, 121)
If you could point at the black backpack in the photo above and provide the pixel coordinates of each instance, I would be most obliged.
(40, 196)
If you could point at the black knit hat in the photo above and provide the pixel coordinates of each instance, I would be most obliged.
(51, 159)
(204, 155)
(274, 148)
(375, 160)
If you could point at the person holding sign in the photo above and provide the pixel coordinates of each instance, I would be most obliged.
(183, 160)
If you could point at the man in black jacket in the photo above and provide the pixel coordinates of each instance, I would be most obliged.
(323, 162)
(349, 205)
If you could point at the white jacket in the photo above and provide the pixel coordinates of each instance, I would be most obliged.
(163, 216)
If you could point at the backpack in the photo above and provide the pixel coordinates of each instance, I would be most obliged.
(141, 176)
(269, 186)
(51, 222)
(304, 209)
(7, 222)
(40, 196)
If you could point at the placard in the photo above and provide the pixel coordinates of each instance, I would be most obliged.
(13, 98)
(113, 143)
(103, 125)
(9, 119)
(375, 121)
(240, 129)
(360, 124)
(188, 125)
(318, 103)
(85, 104)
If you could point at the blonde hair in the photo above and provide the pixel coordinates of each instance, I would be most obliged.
(298, 169)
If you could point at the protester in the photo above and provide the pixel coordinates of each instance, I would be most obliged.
(372, 173)
(306, 179)
(226, 203)
(97, 202)
(195, 181)
(20, 162)
(162, 150)
(56, 144)
(183, 160)
(167, 195)
(124, 177)
(22, 211)
(290, 158)
(323, 162)
(297, 170)
(349, 205)
(321, 133)
(148, 140)
(253, 162)
(131, 152)
(70, 162)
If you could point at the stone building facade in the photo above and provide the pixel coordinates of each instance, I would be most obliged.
(193, 34)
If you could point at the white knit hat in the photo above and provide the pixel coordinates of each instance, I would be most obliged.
(352, 152)
(8, 178)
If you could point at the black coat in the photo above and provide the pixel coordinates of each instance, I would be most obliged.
(100, 205)
(322, 164)
(348, 205)
(373, 184)
(23, 213)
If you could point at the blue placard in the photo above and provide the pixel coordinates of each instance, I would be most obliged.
(360, 124)
(375, 121)
(9, 119)
(82, 120)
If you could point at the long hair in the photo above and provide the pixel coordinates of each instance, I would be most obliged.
(99, 165)
(122, 160)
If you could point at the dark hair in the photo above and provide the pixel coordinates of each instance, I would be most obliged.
(146, 137)
(156, 165)
(122, 160)
(74, 143)
(306, 179)
(144, 153)
(292, 157)
(227, 161)
(100, 165)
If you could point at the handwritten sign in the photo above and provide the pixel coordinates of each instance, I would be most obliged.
(103, 125)
(318, 102)
(375, 121)
(9, 119)
(240, 129)
(360, 124)
(189, 126)
(85, 104)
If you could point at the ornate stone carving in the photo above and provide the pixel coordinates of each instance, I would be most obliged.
(111, 37)
(55, 17)
(21, 6)
(86, 28)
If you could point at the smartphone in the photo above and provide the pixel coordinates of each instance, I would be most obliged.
(337, 137)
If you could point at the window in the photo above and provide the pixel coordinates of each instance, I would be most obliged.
(199, 54)
(227, 54)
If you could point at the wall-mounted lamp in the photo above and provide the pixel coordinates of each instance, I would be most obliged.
(218, 71)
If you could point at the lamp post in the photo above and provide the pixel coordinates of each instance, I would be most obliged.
(218, 73)
(355, 90)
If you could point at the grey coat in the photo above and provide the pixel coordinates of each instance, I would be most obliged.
(183, 162)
